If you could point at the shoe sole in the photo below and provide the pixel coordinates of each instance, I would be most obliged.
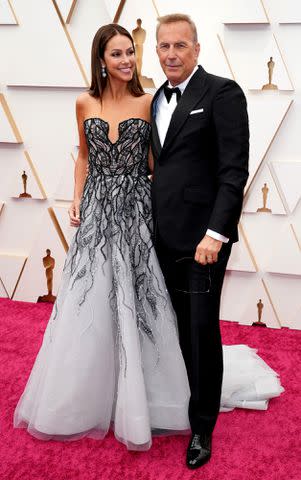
(198, 465)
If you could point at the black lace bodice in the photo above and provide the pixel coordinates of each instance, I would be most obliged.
(128, 155)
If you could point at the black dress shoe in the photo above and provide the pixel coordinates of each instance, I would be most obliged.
(199, 450)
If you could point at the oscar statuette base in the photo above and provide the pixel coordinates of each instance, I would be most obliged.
(25, 195)
(46, 299)
(269, 86)
(266, 210)
(258, 324)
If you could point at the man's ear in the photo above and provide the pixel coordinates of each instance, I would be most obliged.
(197, 49)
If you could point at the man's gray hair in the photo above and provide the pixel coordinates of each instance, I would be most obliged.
(177, 17)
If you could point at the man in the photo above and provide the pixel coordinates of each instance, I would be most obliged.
(200, 142)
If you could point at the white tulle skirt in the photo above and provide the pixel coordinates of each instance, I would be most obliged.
(76, 388)
(248, 381)
(94, 373)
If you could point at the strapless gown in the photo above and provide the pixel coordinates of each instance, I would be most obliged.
(110, 355)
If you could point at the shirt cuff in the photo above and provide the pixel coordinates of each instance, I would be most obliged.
(217, 236)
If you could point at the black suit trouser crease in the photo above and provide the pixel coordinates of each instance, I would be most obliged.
(195, 292)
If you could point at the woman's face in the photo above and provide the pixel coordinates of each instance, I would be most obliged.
(119, 58)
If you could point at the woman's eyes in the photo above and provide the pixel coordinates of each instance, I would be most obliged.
(118, 54)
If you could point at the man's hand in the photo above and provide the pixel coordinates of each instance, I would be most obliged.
(207, 250)
(74, 214)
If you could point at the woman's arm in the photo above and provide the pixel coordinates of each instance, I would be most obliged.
(80, 172)
(147, 98)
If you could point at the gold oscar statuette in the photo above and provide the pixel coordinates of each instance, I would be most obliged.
(265, 191)
(24, 180)
(259, 323)
(49, 264)
(139, 35)
(270, 85)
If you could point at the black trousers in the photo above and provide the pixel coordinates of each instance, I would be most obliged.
(195, 292)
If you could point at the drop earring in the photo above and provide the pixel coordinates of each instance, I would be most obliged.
(103, 72)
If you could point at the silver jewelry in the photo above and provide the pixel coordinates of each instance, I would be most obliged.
(103, 72)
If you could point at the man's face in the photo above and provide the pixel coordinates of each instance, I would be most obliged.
(177, 51)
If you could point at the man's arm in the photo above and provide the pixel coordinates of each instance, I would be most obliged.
(232, 135)
(230, 120)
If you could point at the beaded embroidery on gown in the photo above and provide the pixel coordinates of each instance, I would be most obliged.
(110, 354)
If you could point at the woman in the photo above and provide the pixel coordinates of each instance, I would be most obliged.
(110, 350)
(110, 353)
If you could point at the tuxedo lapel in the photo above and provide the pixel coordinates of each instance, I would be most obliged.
(193, 93)
(156, 144)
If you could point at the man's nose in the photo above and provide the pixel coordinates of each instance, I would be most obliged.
(171, 52)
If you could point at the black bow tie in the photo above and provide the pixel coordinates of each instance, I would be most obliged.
(169, 91)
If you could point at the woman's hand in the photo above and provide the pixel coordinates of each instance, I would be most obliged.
(74, 214)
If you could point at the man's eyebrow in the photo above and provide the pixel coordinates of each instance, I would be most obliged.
(174, 43)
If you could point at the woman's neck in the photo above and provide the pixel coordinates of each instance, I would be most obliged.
(116, 90)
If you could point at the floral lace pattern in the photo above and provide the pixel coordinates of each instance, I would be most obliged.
(116, 223)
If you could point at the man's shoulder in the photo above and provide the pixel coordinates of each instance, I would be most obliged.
(217, 82)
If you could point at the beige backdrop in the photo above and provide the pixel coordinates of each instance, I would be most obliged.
(45, 56)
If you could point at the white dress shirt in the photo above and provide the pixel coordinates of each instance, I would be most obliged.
(163, 117)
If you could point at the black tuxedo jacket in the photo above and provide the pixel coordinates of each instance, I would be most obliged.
(202, 168)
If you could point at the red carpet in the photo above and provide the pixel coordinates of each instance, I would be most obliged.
(247, 445)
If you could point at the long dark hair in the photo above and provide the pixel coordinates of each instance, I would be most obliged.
(101, 38)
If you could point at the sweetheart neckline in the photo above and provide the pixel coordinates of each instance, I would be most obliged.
(119, 125)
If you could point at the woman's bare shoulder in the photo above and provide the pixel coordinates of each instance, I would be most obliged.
(146, 101)
(83, 100)
(147, 98)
